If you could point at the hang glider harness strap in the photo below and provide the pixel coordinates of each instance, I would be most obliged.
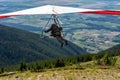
(56, 21)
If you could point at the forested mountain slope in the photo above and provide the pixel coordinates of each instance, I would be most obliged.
(19, 45)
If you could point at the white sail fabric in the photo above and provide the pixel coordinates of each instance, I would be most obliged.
(51, 9)
(48, 9)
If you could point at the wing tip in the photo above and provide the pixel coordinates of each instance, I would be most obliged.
(107, 12)
(6, 16)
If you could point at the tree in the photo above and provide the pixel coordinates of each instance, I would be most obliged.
(1, 70)
(59, 63)
(23, 66)
(107, 60)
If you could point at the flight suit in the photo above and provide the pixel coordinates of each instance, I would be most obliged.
(56, 32)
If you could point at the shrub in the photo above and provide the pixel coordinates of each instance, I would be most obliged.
(106, 60)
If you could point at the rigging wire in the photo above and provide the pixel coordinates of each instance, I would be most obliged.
(56, 21)
(42, 33)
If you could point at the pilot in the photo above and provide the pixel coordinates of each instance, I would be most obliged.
(56, 32)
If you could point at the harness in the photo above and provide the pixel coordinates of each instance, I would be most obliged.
(56, 21)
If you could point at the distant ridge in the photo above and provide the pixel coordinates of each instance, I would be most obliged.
(17, 45)
(113, 50)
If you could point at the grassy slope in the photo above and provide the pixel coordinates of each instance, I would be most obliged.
(85, 71)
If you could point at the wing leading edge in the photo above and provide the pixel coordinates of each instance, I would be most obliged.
(51, 9)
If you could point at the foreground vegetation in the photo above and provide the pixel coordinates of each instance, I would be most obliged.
(104, 59)
(90, 66)
(103, 66)
(81, 71)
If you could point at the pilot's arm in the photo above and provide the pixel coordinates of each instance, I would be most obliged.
(48, 30)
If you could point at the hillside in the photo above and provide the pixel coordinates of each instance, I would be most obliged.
(74, 68)
(83, 71)
(19, 45)
(113, 50)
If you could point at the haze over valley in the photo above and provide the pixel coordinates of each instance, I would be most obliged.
(92, 32)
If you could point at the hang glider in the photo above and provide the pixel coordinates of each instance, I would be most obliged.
(51, 9)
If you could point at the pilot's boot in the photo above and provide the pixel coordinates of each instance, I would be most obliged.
(66, 42)
(61, 44)
(59, 38)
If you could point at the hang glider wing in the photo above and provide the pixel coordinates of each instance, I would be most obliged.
(51, 9)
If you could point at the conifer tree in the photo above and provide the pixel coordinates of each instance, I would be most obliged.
(59, 63)
(1, 70)
(23, 66)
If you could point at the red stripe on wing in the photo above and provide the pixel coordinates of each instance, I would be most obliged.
(8, 16)
(108, 12)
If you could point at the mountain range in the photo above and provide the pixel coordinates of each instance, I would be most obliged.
(19, 45)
